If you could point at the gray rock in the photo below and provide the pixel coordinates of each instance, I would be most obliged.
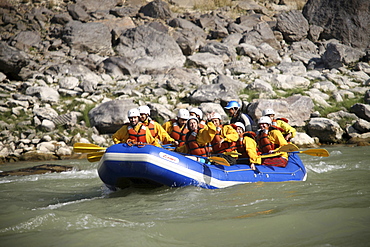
(150, 49)
(207, 61)
(108, 117)
(117, 67)
(12, 60)
(345, 20)
(69, 82)
(96, 5)
(213, 92)
(286, 108)
(261, 33)
(325, 129)
(96, 37)
(157, 9)
(26, 39)
(45, 113)
(78, 13)
(219, 49)
(292, 25)
(361, 111)
(45, 94)
(362, 126)
(337, 55)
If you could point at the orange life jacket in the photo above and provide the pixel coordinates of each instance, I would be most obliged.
(240, 146)
(193, 147)
(274, 123)
(177, 133)
(224, 147)
(150, 125)
(264, 143)
(137, 136)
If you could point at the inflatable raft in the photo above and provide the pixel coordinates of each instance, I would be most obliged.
(123, 166)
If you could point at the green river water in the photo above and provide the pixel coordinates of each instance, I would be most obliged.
(331, 208)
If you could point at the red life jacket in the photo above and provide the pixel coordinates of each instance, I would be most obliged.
(137, 136)
(178, 134)
(224, 147)
(193, 147)
(264, 143)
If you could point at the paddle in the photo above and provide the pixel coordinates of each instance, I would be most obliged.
(290, 147)
(86, 148)
(313, 152)
(219, 160)
(95, 156)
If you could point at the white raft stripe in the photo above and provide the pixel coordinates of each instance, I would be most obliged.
(170, 166)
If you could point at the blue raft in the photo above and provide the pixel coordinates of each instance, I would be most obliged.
(123, 166)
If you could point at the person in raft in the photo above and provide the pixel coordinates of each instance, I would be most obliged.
(234, 111)
(196, 112)
(269, 138)
(195, 140)
(281, 123)
(247, 146)
(155, 128)
(134, 131)
(176, 128)
(222, 138)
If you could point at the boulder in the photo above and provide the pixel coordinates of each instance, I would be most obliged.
(108, 117)
(286, 108)
(343, 20)
(207, 61)
(261, 33)
(338, 55)
(150, 49)
(361, 111)
(93, 37)
(303, 140)
(293, 25)
(157, 9)
(362, 126)
(12, 60)
(45, 94)
(325, 129)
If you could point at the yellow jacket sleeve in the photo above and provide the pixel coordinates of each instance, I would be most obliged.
(149, 138)
(229, 133)
(121, 135)
(276, 137)
(183, 149)
(168, 127)
(251, 149)
(286, 127)
(163, 136)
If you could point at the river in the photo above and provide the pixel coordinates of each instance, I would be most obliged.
(331, 208)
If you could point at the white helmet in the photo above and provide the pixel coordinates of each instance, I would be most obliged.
(215, 115)
(144, 109)
(183, 113)
(265, 119)
(134, 112)
(268, 112)
(197, 111)
(240, 124)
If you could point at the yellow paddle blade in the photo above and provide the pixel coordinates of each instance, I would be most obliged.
(270, 155)
(94, 157)
(316, 152)
(290, 147)
(219, 160)
(86, 147)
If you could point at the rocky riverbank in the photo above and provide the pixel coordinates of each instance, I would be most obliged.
(70, 70)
